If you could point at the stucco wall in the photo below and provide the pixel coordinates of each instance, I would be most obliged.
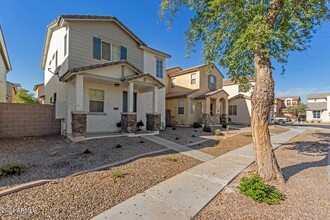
(3, 81)
(243, 111)
(184, 82)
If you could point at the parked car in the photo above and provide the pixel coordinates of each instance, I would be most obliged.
(282, 120)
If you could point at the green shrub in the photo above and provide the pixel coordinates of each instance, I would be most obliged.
(217, 132)
(173, 159)
(207, 128)
(119, 175)
(12, 169)
(254, 187)
(197, 125)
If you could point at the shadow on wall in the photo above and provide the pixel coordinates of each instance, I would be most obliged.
(308, 148)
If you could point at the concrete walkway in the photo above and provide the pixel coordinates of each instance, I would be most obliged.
(199, 155)
(183, 196)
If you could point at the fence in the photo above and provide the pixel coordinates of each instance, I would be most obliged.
(20, 120)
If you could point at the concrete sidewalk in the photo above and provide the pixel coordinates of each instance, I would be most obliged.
(184, 195)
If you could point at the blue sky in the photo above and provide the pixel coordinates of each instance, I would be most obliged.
(24, 26)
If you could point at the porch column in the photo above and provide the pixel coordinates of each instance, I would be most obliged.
(130, 97)
(154, 118)
(79, 117)
(129, 118)
(217, 107)
(206, 111)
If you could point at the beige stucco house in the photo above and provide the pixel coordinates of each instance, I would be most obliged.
(101, 76)
(39, 90)
(318, 107)
(195, 95)
(11, 92)
(5, 67)
(281, 105)
(239, 101)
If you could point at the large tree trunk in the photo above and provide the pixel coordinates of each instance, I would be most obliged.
(262, 102)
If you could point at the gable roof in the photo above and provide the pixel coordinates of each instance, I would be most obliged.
(318, 95)
(239, 96)
(317, 106)
(210, 93)
(180, 94)
(147, 75)
(58, 22)
(288, 97)
(4, 52)
(36, 86)
(190, 69)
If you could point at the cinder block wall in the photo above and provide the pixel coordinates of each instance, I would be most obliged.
(20, 120)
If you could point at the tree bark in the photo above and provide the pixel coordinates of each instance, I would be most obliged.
(262, 102)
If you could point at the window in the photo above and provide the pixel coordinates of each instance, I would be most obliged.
(159, 68)
(316, 114)
(288, 103)
(244, 88)
(193, 78)
(106, 49)
(172, 82)
(125, 101)
(233, 110)
(65, 44)
(192, 106)
(181, 107)
(212, 82)
(96, 100)
(115, 53)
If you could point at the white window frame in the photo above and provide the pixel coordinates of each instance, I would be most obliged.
(214, 83)
(193, 76)
(102, 50)
(289, 100)
(231, 110)
(315, 114)
(172, 82)
(162, 73)
(96, 100)
(112, 59)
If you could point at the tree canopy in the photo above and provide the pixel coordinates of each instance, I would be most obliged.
(24, 96)
(231, 31)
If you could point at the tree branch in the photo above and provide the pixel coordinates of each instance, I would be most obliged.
(275, 6)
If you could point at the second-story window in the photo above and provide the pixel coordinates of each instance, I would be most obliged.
(159, 68)
(288, 103)
(193, 78)
(173, 83)
(212, 82)
(106, 51)
(115, 53)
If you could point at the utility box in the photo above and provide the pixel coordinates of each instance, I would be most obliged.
(60, 109)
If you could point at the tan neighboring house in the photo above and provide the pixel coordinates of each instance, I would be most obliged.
(102, 77)
(5, 67)
(282, 103)
(195, 95)
(40, 93)
(318, 107)
(11, 92)
(239, 101)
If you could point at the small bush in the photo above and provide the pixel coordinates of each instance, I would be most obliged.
(197, 125)
(12, 169)
(217, 132)
(173, 159)
(254, 187)
(247, 134)
(119, 175)
(119, 146)
(224, 125)
(207, 128)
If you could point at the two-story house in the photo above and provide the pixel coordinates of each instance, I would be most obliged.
(102, 77)
(39, 90)
(318, 107)
(5, 67)
(239, 101)
(195, 95)
(282, 104)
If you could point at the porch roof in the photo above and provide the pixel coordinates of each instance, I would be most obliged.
(143, 75)
(211, 93)
(239, 96)
(180, 94)
(317, 106)
(102, 65)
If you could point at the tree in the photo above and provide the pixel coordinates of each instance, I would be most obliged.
(23, 96)
(246, 37)
(298, 110)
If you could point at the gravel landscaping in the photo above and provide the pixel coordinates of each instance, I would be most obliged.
(87, 195)
(304, 164)
(55, 156)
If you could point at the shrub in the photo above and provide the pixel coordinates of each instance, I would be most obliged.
(119, 175)
(12, 169)
(253, 186)
(224, 125)
(207, 128)
(217, 132)
(173, 159)
(197, 125)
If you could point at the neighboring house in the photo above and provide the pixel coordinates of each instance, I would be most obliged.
(239, 101)
(102, 76)
(11, 92)
(318, 107)
(282, 103)
(195, 95)
(5, 67)
(40, 93)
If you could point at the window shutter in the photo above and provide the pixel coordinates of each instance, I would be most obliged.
(96, 48)
(123, 53)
